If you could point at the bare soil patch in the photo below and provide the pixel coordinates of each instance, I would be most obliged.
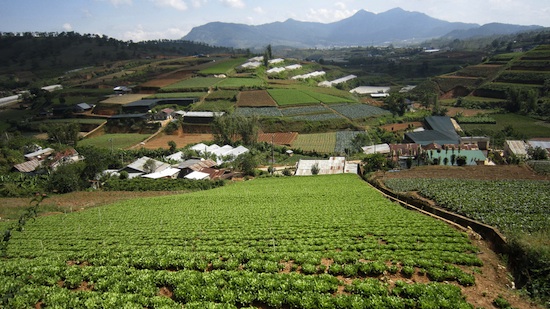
(278, 138)
(395, 127)
(159, 83)
(77, 201)
(452, 111)
(255, 98)
(180, 138)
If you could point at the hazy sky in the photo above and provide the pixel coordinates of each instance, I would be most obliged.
(139, 20)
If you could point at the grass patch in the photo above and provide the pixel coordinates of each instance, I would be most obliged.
(215, 106)
(318, 142)
(193, 84)
(117, 141)
(524, 125)
(175, 95)
(236, 83)
(285, 97)
(222, 67)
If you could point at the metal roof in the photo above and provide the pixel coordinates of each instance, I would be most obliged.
(334, 165)
(28, 166)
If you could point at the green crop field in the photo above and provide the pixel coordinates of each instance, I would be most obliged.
(293, 242)
(222, 67)
(175, 95)
(236, 83)
(192, 84)
(327, 98)
(319, 142)
(512, 206)
(117, 141)
(291, 97)
(522, 124)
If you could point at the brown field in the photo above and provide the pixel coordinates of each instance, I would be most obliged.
(181, 140)
(282, 139)
(255, 98)
(395, 127)
(159, 83)
(76, 201)
(123, 99)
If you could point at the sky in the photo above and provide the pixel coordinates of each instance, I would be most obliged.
(139, 20)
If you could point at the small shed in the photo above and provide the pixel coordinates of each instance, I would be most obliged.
(515, 147)
(82, 107)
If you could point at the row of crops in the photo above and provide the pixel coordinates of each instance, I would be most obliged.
(512, 205)
(275, 242)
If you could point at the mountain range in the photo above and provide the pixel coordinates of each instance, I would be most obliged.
(395, 26)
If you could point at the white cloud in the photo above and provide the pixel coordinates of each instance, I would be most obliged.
(176, 4)
(239, 4)
(324, 15)
(198, 3)
(141, 34)
(259, 10)
(67, 27)
(116, 3)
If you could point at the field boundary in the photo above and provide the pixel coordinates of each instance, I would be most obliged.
(490, 234)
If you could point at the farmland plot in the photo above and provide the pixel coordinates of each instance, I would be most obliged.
(319, 142)
(512, 206)
(359, 111)
(273, 242)
(255, 98)
(259, 111)
(291, 97)
(305, 110)
(193, 84)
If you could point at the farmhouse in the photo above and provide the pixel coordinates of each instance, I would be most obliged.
(515, 148)
(378, 148)
(139, 107)
(168, 173)
(223, 154)
(40, 154)
(440, 130)
(542, 143)
(200, 117)
(164, 114)
(82, 107)
(145, 165)
(336, 81)
(372, 90)
(310, 75)
(334, 165)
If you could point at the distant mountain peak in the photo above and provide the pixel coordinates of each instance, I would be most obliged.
(361, 29)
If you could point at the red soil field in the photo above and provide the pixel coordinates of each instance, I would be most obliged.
(255, 98)
(282, 139)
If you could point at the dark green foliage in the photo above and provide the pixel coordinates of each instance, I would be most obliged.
(66, 178)
(375, 162)
(145, 184)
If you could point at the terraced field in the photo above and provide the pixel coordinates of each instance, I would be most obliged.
(267, 243)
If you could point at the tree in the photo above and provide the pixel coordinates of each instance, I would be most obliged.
(538, 153)
(173, 146)
(269, 51)
(63, 133)
(246, 163)
(149, 166)
(315, 169)
(461, 160)
(228, 128)
(395, 103)
(360, 140)
(66, 178)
